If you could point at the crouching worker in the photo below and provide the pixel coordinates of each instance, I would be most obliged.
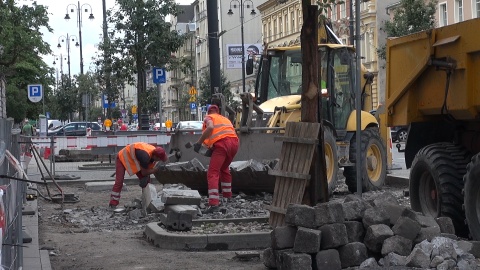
(136, 158)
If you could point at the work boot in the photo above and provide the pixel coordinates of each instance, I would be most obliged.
(212, 209)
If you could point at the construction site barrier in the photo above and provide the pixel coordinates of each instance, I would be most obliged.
(44, 144)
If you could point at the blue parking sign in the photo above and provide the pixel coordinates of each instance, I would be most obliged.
(159, 75)
(35, 92)
(193, 105)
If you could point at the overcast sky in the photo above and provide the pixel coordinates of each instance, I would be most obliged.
(91, 31)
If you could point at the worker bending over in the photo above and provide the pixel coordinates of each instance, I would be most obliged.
(137, 158)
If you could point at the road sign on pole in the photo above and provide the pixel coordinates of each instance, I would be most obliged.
(35, 92)
(159, 75)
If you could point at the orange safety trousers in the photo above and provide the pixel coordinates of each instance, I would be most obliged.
(223, 153)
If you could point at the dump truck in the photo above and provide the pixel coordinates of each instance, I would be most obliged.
(431, 86)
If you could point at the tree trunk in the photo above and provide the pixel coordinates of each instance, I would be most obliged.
(311, 107)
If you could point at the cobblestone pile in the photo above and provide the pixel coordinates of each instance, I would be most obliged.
(374, 234)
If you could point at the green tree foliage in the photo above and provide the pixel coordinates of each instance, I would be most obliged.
(21, 48)
(205, 94)
(140, 38)
(410, 17)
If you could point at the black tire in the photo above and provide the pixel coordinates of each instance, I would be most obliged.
(436, 182)
(331, 159)
(402, 135)
(374, 161)
(472, 197)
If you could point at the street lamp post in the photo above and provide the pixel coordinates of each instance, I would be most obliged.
(242, 4)
(67, 40)
(79, 25)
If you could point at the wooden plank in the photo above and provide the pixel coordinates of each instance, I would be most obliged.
(295, 160)
(289, 174)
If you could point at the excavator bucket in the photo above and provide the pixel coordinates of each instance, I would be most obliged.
(258, 152)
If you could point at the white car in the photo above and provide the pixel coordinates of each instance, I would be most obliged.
(196, 126)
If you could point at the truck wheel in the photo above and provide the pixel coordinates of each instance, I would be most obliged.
(472, 197)
(331, 159)
(436, 182)
(373, 163)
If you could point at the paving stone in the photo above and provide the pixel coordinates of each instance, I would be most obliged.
(328, 259)
(375, 236)
(443, 247)
(418, 258)
(177, 196)
(406, 227)
(352, 198)
(280, 258)
(394, 212)
(355, 231)
(393, 259)
(135, 214)
(296, 261)
(300, 215)
(384, 199)
(436, 261)
(269, 258)
(397, 244)
(328, 213)
(427, 233)
(333, 236)
(448, 235)
(375, 215)
(354, 210)
(445, 224)
(447, 265)
(283, 237)
(352, 254)
(156, 206)
(307, 240)
(472, 247)
(369, 263)
(425, 221)
(426, 246)
(185, 209)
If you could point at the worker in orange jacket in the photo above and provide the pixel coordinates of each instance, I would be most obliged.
(220, 137)
(137, 158)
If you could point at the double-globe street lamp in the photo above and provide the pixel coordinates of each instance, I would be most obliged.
(78, 8)
(242, 5)
(66, 40)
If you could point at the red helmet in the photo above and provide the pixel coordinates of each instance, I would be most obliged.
(160, 152)
(212, 108)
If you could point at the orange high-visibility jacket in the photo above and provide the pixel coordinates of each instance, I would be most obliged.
(222, 128)
(129, 160)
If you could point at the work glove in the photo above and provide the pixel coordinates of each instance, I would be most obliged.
(196, 147)
(144, 181)
(209, 152)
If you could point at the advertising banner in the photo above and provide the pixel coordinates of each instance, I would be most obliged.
(234, 54)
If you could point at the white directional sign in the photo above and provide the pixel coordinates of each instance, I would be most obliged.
(159, 75)
(35, 92)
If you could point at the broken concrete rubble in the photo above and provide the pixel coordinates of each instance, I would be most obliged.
(413, 240)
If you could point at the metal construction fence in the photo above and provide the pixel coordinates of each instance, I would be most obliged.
(12, 196)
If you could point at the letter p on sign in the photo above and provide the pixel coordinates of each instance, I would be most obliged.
(159, 75)
(35, 92)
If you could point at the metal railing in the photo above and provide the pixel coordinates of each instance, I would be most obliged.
(11, 203)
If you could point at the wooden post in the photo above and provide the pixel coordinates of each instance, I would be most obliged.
(311, 107)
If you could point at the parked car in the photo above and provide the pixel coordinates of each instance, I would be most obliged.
(194, 125)
(399, 133)
(74, 129)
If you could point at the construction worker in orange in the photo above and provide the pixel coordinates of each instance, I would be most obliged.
(137, 158)
(220, 138)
